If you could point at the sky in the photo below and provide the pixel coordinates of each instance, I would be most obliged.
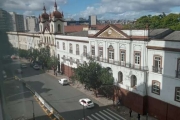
(104, 9)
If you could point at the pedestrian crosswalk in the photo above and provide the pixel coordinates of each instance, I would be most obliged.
(106, 114)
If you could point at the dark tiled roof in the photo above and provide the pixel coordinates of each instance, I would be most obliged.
(173, 36)
(159, 33)
(81, 33)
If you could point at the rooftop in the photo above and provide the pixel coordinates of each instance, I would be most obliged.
(81, 33)
(173, 36)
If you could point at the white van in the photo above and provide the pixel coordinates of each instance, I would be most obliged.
(63, 81)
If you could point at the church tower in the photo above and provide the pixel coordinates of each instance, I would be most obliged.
(56, 21)
(43, 20)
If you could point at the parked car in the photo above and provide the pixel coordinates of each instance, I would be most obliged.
(19, 71)
(23, 66)
(36, 67)
(63, 81)
(4, 74)
(86, 102)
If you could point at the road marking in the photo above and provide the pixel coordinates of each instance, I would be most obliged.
(95, 117)
(111, 115)
(101, 116)
(116, 114)
(106, 116)
(89, 118)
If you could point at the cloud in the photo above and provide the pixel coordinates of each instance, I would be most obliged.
(28, 13)
(28, 5)
(128, 9)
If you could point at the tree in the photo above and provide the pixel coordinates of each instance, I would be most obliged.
(44, 55)
(23, 53)
(93, 75)
(33, 54)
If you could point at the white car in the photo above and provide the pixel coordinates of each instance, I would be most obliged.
(23, 66)
(63, 81)
(86, 102)
(4, 74)
(36, 67)
(19, 71)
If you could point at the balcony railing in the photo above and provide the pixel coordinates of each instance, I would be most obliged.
(177, 73)
(157, 69)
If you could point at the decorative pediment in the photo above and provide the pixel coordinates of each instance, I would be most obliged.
(111, 31)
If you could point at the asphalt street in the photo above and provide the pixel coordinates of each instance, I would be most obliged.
(64, 98)
(19, 101)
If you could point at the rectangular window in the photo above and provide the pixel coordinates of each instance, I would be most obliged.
(70, 48)
(156, 87)
(157, 64)
(122, 55)
(77, 49)
(178, 68)
(137, 57)
(111, 54)
(177, 94)
(63, 46)
(92, 50)
(100, 51)
(57, 45)
(85, 51)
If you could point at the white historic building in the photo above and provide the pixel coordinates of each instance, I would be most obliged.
(145, 63)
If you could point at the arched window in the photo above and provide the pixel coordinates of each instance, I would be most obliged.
(133, 81)
(110, 52)
(156, 87)
(59, 28)
(120, 77)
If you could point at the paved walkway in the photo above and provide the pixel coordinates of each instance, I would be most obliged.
(123, 111)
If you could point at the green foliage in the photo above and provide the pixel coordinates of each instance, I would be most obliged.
(171, 21)
(23, 53)
(52, 62)
(93, 75)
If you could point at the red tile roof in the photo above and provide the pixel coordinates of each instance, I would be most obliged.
(78, 28)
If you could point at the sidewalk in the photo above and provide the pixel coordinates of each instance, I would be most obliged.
(123, 111)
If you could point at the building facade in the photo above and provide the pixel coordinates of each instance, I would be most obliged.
(17, 22)
(5, 21)
(145, 63)
(31, 24)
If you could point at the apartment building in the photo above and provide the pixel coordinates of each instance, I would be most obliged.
(17, 22)
(5, 21)
(31, 24)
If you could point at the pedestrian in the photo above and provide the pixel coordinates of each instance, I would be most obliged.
(130, 111)
(138, 116)
(113, 99)
(56, 73)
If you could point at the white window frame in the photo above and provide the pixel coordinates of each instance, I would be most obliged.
(177, 94)
(156, 87)
(137, 58)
